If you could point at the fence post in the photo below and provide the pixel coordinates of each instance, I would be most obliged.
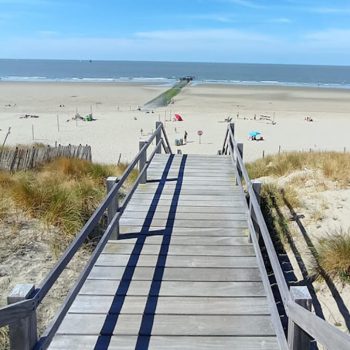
(158, 137)
(297, 338)
(240, 150)
(23, 333)
(113, 207)
(142, 162)
(256, 186)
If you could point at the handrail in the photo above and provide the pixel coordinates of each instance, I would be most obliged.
(320, 330)
(14, 312)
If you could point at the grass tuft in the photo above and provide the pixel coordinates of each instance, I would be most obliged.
(63, 193)
(333, 255)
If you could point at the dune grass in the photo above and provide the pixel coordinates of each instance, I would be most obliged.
(334, 165)
(63, 193)
(333, 255)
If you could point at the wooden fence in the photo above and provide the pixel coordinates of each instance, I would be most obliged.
(28, 158)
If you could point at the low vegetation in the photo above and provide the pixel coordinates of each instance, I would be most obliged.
(332, 252)
(334, 165)
(333, 255)
(63, 193)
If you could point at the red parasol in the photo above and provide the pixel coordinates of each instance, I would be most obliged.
(178, 118)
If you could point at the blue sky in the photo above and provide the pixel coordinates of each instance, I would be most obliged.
(249, 31)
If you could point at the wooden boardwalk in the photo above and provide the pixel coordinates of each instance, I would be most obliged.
(182, 275)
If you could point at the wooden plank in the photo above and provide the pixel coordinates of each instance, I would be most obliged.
(153, 186)
(189, 240)
(180, 250)
(185, 216)
(174, 288)
(184, 223)
(183, 231)
(176, 274)
(237, 208)
(93, 304)
(190, 197)
(187, 190)
(195, 203)
(176, 261)
(64, 342)
(190, 325)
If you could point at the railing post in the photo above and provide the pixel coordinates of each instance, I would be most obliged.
(240, 150)
(113, 207)
(229, 141)
(232, 126)
(297, 338)
(23, 333)
(256, 186)
(158, 137)
(142, 162)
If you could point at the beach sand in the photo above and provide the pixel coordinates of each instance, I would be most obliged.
(118, 124)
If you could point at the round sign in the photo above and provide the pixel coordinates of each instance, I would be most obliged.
(199, 132)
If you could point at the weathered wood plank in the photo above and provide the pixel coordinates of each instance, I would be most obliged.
(174, 288)
(188, 203)
(183, 231)
(236, 208)
(184, 223)
(181, 250)
(93, 304)
(64, 342)
(189, 240)
(191, 325)
(177, 274)
(185, 216)
(190, 197)
(176, 261)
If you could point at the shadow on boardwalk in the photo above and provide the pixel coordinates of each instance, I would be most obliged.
(147, 321)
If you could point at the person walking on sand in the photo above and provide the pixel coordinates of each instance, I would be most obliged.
(185, 137)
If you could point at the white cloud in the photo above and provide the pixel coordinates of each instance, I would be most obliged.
(282, 20)
(215, 17)
(330, 10)
(221, 45)
(245, 3)
(330, 40)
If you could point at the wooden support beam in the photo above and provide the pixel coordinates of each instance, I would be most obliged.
(256, 185)
(113, 207)
(23, 333)
(298, 339)
(240, 150)
(142, 162)
(159, 136)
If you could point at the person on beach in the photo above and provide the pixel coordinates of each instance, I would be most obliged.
(185, 137)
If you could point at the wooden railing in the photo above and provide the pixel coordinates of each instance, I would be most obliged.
(303, 324)
(25, 299)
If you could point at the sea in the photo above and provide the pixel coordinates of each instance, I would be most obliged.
(168, 72)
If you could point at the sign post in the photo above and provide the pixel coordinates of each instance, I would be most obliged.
(199, 133)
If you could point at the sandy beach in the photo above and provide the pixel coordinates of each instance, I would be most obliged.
(119, 125)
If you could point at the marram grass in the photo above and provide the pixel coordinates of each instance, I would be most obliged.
(63, 193)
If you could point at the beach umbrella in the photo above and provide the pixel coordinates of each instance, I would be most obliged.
(178, 118)
(254, 133)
